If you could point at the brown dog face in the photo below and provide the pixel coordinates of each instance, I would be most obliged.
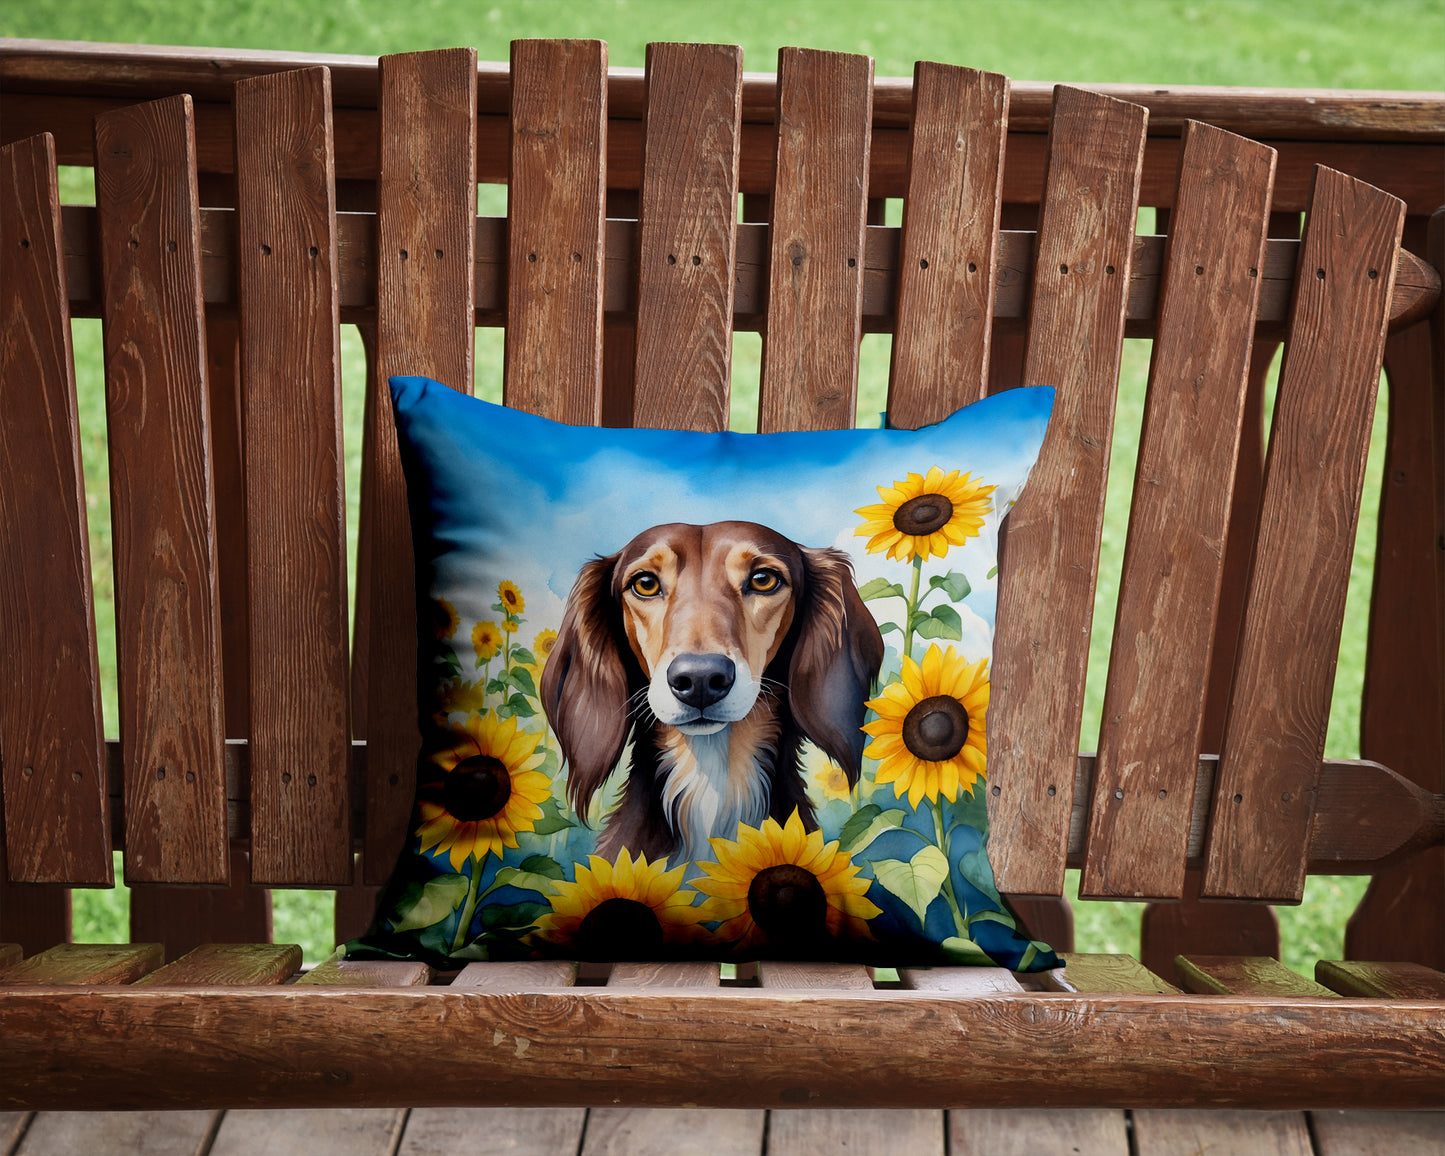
(705, 610)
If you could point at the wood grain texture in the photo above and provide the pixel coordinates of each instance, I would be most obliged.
(1275, 733)
(183, 918)
(57, 823)
(1243, 975)
(339, 972)
(154, 1133)
(866, 1132)
(1194, 926)
(426, 217)
(515, 1131)
(34, 915)
(788, 975)
(443, 1046)
(13, 1125)
(1028, 1131)
(525, 975)
(1166, 1133)
(1382, 980)
(69, 964)
(674, 1132)
(947, 267)
(1050, 559)
(816, 242)
(167, 618)
(555, 206)
(664, 975)
(1097, 972)
(326, 1132)
(959, 980)
(1153, 714)
(687, 236)
(1378, 1133)
(295, 500)
(228, 963)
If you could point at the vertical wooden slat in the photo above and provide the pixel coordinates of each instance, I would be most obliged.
(181, 918)
(168, 632)
(1275, 733)
(815, 263)
(946, 269)
(426, 218)
(295, 502)
(1154, 702)
(1046, 576)
(57, 823)
(555, 223)
(687, 236)
(34, 915)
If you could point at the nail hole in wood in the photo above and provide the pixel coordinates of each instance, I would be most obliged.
(265, 250)
(995, 792)
(310, 780)
(170, 246)
(1319, 274)
(437, 253)
(972, 268)
(1199, 270)
(313, 251)
(404, 254)
(160, 774)
(696, 260)
(852, 262)
(1254, 272)
(672, 259)
(1109, 269)
(1053, 791)
(190, 776)
(577, 257)
(25, 242)
(532, 257)
(923, 264)
(1374, 273)
(285, 776)
(1239, 798)
(76, 776)
(1118, 793)
(1163, 794)
(28, 772)
(1063, 268)
(133, 243)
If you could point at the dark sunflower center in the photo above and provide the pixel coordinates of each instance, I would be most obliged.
(923, 514)
(619, 929)
(936, 729)
(788, 903)
(477, 788)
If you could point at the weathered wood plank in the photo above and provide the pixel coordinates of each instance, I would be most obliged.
(228, 963)
(816, 260)
(1097, 972)
(295, 499)
(168, 631)
(1165, 1133)
(13, 1125)
(515, 1131)
(959, 980)
(1343, 1133)
(555, 206)
(1029, 1131)
(85, 963)
(687, 236)
(1046, 586)
(526, 975)
(158, 1133)
(1192, 925)
(864, 1131)
(57, 823)
(183, 918)
(426, 217)
(1154, 701)
(948, 252)
(317, 1132)
(1382, 980)
(674, 1132)
(1243, 975)
(788, 975)
(664, 975)
(1275, 733)
(339, 972)
(34, 915)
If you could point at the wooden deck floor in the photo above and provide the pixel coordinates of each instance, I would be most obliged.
(684, 1132)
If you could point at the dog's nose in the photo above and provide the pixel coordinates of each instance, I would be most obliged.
(699, 680)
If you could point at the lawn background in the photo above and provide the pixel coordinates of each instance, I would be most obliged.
(1381, 44)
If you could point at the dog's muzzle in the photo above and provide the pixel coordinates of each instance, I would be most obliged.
(700, 680)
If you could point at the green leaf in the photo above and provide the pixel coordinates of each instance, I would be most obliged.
(520, 706)
(522, 680)
(857, 824)
(965, 952)
(943, 622)
(881, 822)
(500, 609)
(917, 882)
(525, 880)
(552, 819)
(992, 572)
(954, 584)
(522, 654)
(543, 865)
(438, 898)
(496, 686)
(513, 915)
(880, 588)
(476, 950)
(887, 626)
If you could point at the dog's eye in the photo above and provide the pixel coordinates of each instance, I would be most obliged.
(764, 581)
(645, 585)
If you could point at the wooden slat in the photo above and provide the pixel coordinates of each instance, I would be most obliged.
(1382, 980)
(664, 975)
(1098, 972)
(816, 259)
(33, 915)
(947, 268)
(555, 205)
(1046, 586)
(1153, 713)
(1192, 925)
(85, 963)
(1243, 975)
(426, 215)
(1166, 1133)
(56, 818)
(864, 1132)
(300, 820)
(12, 1126)
(674, 1132)
(1275, 732)
(785, 974)
(1029, 1131)
(1378, 1133)
(183, 918)
(959, 980)
(515, 1131)
(168, 633)
(339, 972)
(687, 236)
(228, 963)
(323, 1132)
(154, 1133)
(526, 975)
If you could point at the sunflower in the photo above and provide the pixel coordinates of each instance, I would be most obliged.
(444, 618)
(781, 887)
(479, 793)
(486, 640)
(930, 736)
(826, 775)
(922, 516)
(459, 697)
(511, 598)
(509, 625)
(542, 646)
(629, 909)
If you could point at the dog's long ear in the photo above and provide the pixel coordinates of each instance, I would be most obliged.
(585, 685)
(835, 658)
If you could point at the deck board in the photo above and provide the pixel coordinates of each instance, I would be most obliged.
(153, 1133)
(307, 1132)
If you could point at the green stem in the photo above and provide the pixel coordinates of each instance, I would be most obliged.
(948, 892)
(470, 907)
(912, 608)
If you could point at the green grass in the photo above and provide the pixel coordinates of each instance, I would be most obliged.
(1307, 43)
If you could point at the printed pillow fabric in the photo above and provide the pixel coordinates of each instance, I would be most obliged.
(703, 696)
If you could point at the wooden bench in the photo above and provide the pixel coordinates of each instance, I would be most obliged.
(242, 214)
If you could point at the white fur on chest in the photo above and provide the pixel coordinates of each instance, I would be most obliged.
(708, 788)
